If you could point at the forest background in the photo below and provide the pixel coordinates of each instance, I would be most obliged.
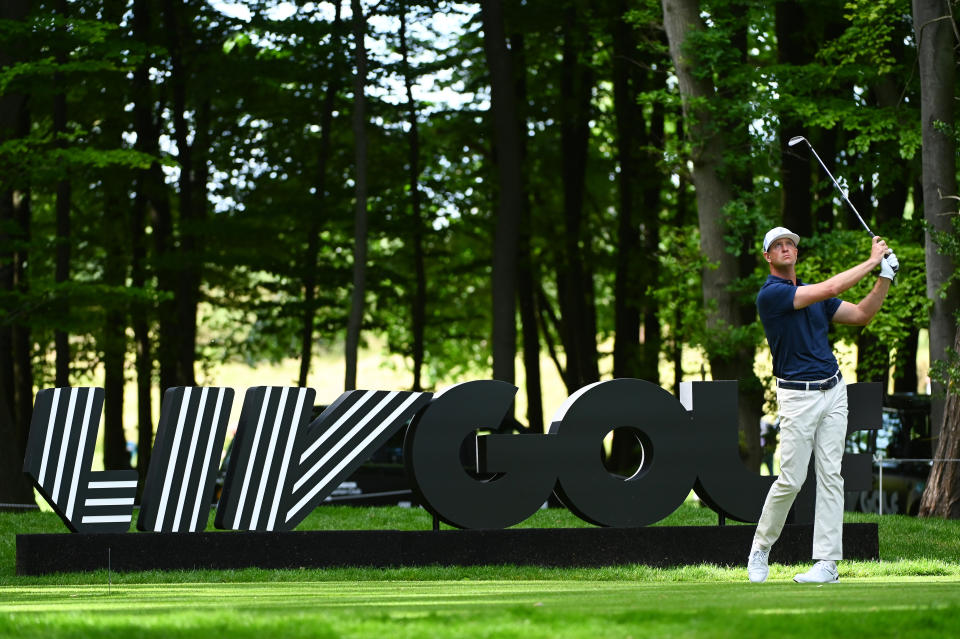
(473, 186)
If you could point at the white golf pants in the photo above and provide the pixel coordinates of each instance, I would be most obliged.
(811, 422)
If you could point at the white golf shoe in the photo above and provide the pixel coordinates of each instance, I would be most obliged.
(823, 572)
(757, 568)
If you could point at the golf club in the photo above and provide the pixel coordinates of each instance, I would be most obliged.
(797, 140)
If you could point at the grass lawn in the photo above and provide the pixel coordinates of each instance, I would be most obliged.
(914, 591)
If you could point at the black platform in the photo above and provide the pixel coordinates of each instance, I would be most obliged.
(567, 547)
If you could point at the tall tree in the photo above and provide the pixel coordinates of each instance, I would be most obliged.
(935, 36)
(191, 156)
(114, 229)
(507, 147)
(358, 295)
(941, 496)
(574, 271)
(638, 221)
(334, 79)
(14, 486)
(527, 273)
(150, 209)
(714, 183)
(62, 275)
(418, 311)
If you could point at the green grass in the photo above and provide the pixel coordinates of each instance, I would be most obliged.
(913, 591)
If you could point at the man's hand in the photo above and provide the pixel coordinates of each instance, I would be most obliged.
(878, 250)
(889, 266)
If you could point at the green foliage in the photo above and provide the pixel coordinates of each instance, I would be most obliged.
(906, 307)
(254, 92)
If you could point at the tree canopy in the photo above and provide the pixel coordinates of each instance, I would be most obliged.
(188, 183)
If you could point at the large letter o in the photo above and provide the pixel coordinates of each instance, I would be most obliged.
(668, 471)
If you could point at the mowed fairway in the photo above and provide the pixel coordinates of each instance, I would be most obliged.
(913, 592)
(870, 607)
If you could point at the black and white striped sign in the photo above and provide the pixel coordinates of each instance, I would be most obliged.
(186, 456)
(280, 468)
(60, 447)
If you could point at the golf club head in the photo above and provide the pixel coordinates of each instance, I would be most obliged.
(796, 140)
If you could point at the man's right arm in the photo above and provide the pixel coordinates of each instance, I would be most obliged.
(833, 287)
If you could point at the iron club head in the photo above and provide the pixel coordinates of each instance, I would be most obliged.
(796, 140)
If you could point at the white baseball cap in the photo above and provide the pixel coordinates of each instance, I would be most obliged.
(775, 234)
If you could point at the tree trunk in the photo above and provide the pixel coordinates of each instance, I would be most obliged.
(418, 312)
(313, 225)
(681, 17)
(189, 260)
(21, 220)
(151, 207)
(15, 488)
(355, 321)
(941, 497)
(629, 287)
(905, 379)
(574, 277)
(713, 192)
(167, 273)
(638, 228)
(527, 274)
(794, 47)
(507, 152)
(935, 42)
(61, 337)
(114, 229)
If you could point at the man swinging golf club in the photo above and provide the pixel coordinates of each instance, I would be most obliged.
(811, 393)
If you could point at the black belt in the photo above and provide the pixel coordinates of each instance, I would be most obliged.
(823, 385)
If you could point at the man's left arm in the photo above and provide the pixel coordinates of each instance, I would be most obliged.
(861, 314)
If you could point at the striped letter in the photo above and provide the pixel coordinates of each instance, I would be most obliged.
(60, 446)
(186, 454)
(280, 469)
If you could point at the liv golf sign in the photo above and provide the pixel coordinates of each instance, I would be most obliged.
(283, 465)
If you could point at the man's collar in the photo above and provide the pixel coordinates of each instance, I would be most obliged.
(771, 278)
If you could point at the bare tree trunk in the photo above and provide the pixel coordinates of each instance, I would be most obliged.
(574, 274)
(796, 47)
(61, 338)
(507, 151)
(187, 287)
(935, 43)
(15, 488)
(114, 228)
(313, 226)
(418, 313)
(629, 288)
(162, 230)
(527, 274)
(713, 192)
(151, 204)
(680, 18)
(355, 321)
(638, 227)
(941, 497)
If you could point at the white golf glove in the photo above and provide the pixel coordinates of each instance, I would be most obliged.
(889, 266)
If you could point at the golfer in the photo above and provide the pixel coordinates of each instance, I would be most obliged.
(811, 393)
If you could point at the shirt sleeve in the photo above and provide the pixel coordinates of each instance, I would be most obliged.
(832, 305)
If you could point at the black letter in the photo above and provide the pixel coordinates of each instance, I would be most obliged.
(432, 456)
(665, 431)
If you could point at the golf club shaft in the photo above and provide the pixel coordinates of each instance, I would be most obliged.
(843, 193)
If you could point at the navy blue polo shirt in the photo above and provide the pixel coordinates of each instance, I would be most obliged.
(797, 337)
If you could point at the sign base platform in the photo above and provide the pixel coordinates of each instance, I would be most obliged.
(662, 546)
